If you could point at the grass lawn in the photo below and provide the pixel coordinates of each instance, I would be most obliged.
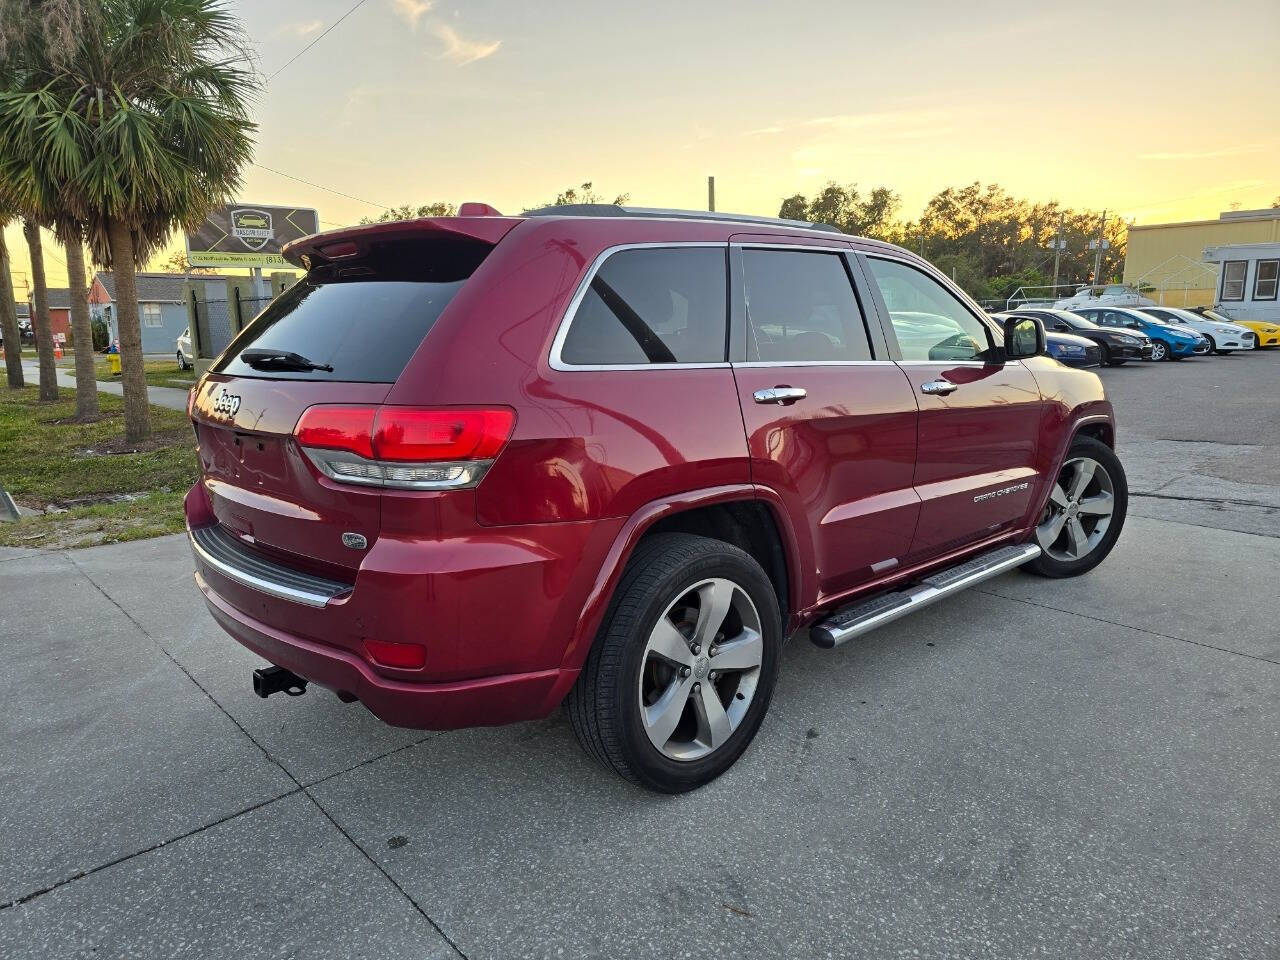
(50, 461)
(159, 373)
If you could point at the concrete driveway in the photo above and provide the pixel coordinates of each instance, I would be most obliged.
(1035, 769)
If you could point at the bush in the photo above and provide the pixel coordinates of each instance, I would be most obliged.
(100, 334)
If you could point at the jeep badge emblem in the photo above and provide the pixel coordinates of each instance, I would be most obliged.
(227, 403)
(355, 541)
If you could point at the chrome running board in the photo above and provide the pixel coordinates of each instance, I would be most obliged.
(853, 621)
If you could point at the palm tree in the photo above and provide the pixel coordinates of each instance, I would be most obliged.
(81, 332)
(40, 312)
(133, 124)
(9, 315)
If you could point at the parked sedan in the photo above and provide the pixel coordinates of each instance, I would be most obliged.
(1072, 350)
(1266, 332)
(1168, 341)
(1224, 336)
(1118, 346)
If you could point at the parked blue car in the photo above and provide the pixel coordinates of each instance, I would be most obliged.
(1072, 350)
(1169, 341)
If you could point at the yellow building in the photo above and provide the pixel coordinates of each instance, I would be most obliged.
(1169, 257)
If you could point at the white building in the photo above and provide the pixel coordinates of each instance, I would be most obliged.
(1248, 280)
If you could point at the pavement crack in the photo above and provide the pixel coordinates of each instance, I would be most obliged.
(1219, 500)
(1128, 626)
(80, 875)
(382, 870)
(299, 786)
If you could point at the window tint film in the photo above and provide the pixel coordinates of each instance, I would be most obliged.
(801, 307)
(659, 305)
(1233, 274)
(930, 323)
(363, 318)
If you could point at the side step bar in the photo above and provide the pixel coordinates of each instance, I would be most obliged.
(854, 621)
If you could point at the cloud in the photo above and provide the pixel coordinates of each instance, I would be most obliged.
(460, 50)
(412, 10)
(1202, 154)
(304, 28)
(904, 123)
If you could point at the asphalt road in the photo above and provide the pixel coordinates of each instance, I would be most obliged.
(1073, 769)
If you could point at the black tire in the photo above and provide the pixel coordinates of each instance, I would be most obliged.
(1160, 351)
(1048, 566)
(604, 705)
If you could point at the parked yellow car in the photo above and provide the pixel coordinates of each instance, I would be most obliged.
(1268, 332)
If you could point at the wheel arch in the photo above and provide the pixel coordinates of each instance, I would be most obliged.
(735, 514)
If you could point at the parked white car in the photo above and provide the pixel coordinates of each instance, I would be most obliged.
(1223, 337)
(185, 357)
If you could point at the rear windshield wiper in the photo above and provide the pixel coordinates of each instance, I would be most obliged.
(281, 360)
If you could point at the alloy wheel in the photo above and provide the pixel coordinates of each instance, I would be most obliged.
(1079, 510)
(700, 669)
(1158, 351)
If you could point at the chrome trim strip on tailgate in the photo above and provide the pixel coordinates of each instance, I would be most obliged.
(221, 551)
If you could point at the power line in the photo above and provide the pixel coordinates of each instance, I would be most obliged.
(325, 33)
(289, 176)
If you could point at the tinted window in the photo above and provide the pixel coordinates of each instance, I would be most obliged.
(1079, 323)
(801, 306)
(1233, 275)
(660, 305)
(364, 318)
(929, 321)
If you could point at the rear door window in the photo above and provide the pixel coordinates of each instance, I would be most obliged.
(652, 305)
(801, 308)
(363, 319)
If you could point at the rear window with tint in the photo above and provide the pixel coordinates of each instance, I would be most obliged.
(653, 305)
(364, 318)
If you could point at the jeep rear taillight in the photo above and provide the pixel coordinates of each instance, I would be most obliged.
(413, 448)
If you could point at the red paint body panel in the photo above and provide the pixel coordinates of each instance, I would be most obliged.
(841, 460)
(506, 585)
(980, 439)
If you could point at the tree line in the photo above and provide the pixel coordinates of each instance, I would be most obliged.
(119, 123)
(989, 240)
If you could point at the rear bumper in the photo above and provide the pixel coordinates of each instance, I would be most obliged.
(494, 608)
(486, 701)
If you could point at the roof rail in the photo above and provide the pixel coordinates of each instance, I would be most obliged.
(614, 210)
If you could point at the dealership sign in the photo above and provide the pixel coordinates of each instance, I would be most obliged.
(248, 235)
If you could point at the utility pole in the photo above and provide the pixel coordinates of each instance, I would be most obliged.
(1058, 243)
(711, 194)
(1097, 256)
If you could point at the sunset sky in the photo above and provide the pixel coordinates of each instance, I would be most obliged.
(1157, 111)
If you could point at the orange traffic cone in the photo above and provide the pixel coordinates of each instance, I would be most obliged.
(57, 350)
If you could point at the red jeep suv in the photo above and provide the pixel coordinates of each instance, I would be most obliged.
(470, 467)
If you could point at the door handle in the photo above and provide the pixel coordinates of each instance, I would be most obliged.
(940, 387)
(782, 395)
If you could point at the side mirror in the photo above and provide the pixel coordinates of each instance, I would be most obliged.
(1023, 337)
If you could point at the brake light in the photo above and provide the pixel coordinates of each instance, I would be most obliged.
(443, 448)
(337, 428)
(407, 434)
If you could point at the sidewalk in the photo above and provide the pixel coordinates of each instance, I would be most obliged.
(171, 397)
